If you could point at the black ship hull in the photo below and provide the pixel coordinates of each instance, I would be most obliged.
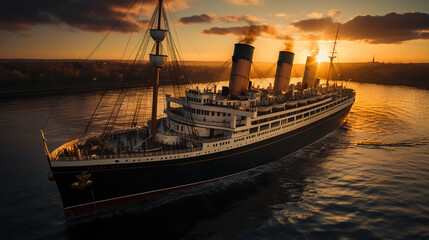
(118, 184)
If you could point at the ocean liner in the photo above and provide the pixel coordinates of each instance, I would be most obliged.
(205, 135)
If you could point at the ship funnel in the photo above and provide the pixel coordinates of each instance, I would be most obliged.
(284, 69)
(240, 71)
(309, 79)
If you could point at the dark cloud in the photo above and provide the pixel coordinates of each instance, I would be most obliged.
(256, 30)
(248, 34)
(241, 30)
(207, 18)
(325, 24)
(239, 18)
(203, 18)
(390, 28)
(87, 15)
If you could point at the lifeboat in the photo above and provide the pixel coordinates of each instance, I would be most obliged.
(292, 103)
(312, 99)
(265, 108)
(302, 101)
(278, 105)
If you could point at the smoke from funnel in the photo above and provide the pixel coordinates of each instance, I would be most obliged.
(251, 32)
(288, 43)
(314, 48)
(249, 36)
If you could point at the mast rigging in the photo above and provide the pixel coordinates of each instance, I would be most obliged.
(331, 58)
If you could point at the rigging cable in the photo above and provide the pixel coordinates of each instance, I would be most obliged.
(93, 114)
(186, 34)
(110, 31)
(134, 27)
(52, 110)
(112, 120)
(95, 49)
(341, 70)
(261, 75)
(179, 69)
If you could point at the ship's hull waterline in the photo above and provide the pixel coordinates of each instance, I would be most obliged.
(113, 185)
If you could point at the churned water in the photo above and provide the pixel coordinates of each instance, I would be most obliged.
(367, 180)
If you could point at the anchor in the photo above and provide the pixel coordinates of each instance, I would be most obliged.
(82, 182)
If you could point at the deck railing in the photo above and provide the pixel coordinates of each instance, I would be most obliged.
(130, 155)
(196, 138)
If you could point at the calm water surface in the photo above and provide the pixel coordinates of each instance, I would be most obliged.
(367, 180)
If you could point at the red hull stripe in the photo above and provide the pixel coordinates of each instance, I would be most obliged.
(93, 207)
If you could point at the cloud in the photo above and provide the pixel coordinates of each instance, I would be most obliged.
(245, 2)
(335, 13)
(206, 18)
(240, 18)
(256, 30)
(325, 24)
(248, 34)
(390, 28)
(203, 18)
(86, 15)
(315, 15)
(280, 14)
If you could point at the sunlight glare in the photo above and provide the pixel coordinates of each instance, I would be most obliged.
(322, 56)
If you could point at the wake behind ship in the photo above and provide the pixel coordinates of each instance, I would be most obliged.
(206, 135)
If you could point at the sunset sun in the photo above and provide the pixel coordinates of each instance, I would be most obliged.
(322, 56)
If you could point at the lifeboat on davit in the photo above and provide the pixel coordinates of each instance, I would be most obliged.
(279, 105)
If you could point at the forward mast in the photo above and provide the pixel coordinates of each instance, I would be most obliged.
(158, 59)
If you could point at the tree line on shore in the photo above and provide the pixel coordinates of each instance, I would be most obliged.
(407, 74)
(33, 75)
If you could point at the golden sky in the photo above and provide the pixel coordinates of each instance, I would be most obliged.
(392, 30)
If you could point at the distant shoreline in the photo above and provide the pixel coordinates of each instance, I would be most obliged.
(30, 77)
(42, 92)
(47, 92)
